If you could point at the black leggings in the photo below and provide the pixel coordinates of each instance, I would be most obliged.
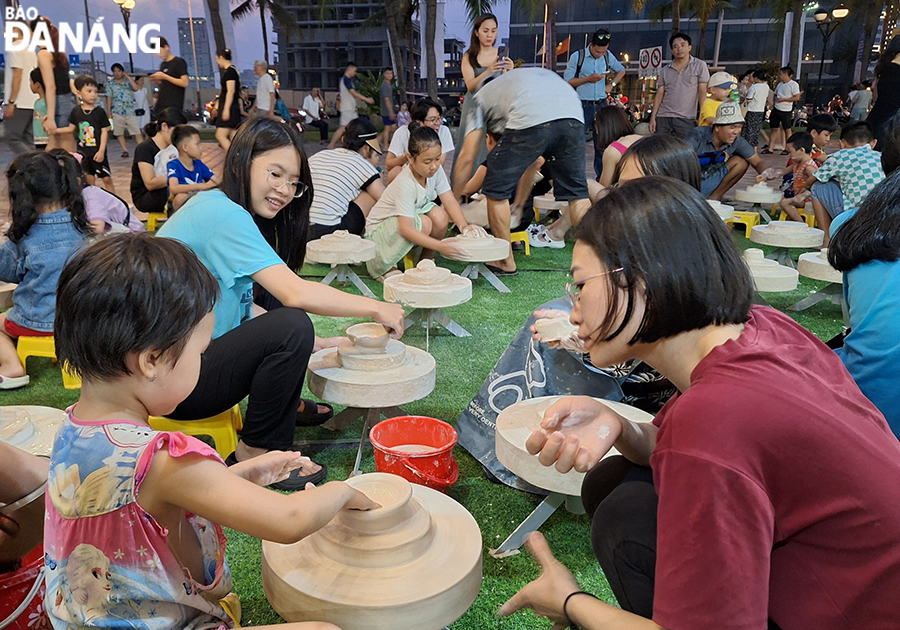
(322, 126)
(620, 499)
(264, 358)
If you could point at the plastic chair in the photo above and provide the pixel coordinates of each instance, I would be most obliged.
(222, 428)
(153, 218)
(521, 237)
(809, 218)
(748, 219)
(408, 261)
(44, 347)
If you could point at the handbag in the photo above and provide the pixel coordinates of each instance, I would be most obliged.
(140, 111)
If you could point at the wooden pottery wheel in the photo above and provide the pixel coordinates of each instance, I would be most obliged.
(518, 421)
(480, 249)
(815, 265)
(759, 193)
(768, 275)
(340, 247)
(413, 564)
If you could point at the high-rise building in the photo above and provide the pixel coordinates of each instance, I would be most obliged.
(454, 49)
(315, 52)
(207, 74)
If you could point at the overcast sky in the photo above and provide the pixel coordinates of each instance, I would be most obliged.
(248, 35)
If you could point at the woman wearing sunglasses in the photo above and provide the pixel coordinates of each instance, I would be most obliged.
(254, 228)
(765, 494)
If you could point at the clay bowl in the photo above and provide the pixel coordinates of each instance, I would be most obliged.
(369, 337)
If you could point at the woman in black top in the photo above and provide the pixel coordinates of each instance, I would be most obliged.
(149, 191)
(61, 101)
(229, 102)
(886, 89)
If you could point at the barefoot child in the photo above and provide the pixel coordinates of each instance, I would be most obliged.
(48, 223)
(134, 516)
(406, 214)
(187, 174)
(90, 124)
(800, 146)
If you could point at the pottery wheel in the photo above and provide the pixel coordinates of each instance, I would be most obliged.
(414, 564)
(428, 286)
(518, 421)
(30, 428)
(340, 248)
(758, 194)
(485, 249)
(787, 234)
(815, 265)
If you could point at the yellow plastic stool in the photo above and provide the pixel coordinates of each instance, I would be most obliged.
(44, 347)
(748, 219)
(809, 218)
(153, 218)
(222, 428)
(408, 262)
(521, 237)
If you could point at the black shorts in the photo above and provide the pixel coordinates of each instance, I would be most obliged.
(354, 221)
(781, 119)
(559, 142)
(95, 169)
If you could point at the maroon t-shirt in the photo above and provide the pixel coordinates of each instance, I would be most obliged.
(779, 492)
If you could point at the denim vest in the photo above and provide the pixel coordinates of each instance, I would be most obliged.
(35, 263)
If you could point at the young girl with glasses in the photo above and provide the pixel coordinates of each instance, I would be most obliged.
(254, 229)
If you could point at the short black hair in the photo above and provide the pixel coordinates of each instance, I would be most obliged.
(890, 145)
(495, 135)
(760, 74)
(128, 294)
(665, 156)
(873, 233)
(163, 42)
(788, 71)
(37, 77)
(224, 53)
(698, 279)
(801, 140)
(421, 138)
(857, 132)
(351, 64)
(420, 109)
(117, 66)
(182, 133)
(683, 36)
(386, 70)
(822, 122)
(83, 80)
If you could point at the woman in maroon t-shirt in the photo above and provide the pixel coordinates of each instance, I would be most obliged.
(765, 494)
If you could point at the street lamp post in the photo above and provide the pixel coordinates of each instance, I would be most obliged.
(827, 23)
(126, 6)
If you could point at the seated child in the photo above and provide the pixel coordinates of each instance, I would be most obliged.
(48, 224)
(848, 175)
(802, 167)
(109, 469)
(187, 174)
(406, 215)
(106, 212)
(90, 124)
(820, 127)
(720, 85)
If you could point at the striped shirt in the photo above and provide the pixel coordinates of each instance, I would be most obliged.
(338, 176)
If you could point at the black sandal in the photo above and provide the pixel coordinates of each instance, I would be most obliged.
(766, 151)
(311, 416)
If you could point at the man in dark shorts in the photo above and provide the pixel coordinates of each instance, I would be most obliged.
(539, 116)
(172, 79)
(386, 103)
(787, 92)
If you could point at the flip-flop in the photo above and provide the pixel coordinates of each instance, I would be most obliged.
(497, 271)
(766, 151)
(295, 480)
(10, 382)
(309, 418)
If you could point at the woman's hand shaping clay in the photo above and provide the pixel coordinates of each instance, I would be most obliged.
(474, 231)
(575, 433)
(572, 343)
(391, 316)
(546, 595)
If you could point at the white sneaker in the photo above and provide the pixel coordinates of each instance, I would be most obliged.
(542, 239)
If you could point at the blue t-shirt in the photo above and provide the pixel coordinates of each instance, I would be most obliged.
(199, 175)
(871, 351)
(228, 243)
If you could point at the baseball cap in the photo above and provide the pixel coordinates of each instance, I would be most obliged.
(728, 113)
(601, 37)
(722, 79)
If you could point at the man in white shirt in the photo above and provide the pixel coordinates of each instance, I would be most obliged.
(314, 106)
(18, 115)
(349, 96)
(787, 92)
(265, 91)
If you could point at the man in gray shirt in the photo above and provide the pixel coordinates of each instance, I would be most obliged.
(537, 115)
(680, 90)
(386, 102)
(724, 155)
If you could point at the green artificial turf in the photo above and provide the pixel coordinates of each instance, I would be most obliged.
(493, 319)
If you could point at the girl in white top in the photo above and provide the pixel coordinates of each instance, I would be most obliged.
(406, 215)
(427, 113)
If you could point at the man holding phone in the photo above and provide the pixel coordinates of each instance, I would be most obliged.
(588, 72)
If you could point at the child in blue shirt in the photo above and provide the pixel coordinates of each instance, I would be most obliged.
(187, 174)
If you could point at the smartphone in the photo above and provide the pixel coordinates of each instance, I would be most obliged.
(501, 52)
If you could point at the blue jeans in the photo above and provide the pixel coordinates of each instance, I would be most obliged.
(590, 110)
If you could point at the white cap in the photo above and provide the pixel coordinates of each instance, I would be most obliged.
(728, 113)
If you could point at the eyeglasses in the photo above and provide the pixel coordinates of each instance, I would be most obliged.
(574, 288)
(278, 182)
(433, 119)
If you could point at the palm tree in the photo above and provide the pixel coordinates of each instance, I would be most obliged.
(215, 19)
(431, 62)
(279, 14)
(390, 18)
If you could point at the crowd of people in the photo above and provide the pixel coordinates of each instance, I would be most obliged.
(730, 509)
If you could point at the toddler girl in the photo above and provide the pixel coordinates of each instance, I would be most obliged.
(134, 516)
(407, 215)
(403, 116)
(48, 223)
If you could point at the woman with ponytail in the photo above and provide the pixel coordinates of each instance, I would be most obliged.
(149, 186)
(48, 223)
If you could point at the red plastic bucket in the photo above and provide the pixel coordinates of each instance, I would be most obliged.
(425, 453)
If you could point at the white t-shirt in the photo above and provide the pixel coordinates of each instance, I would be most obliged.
(311, 105)
(162, 159)
(265, 90)
(25, 60)
(785, 90)
(757, 96)
(400, 140)
(338, 176)
(404, 197)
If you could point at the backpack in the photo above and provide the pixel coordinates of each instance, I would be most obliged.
(282, 110)
(581, 58)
